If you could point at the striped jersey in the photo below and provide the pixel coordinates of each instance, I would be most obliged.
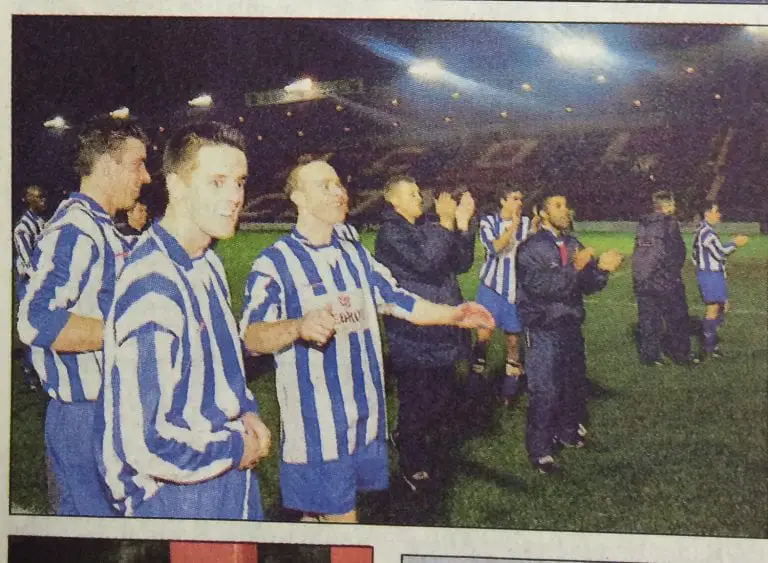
(498, 269)
(332, 397)
(74, 266)
(346, 231)
(709, 254)
(174, 385)
(25, 233)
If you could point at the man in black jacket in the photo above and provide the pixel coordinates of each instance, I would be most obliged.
(657, 263)
(425, 258)
(554, 272)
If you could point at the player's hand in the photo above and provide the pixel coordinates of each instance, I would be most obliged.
(610, 260)
(582, 258)
(740, 240)
(473, 315)
(254, 425)
(464, 211)
(251, 448)
(445, 207)
(317, 326)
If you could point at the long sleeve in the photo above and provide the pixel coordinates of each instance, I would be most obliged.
(425, 250)
(162, 433)
(465, 249)
(63, 269)
(542, 278)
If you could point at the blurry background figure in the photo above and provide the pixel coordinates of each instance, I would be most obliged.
(425, 257)
(709, 256)
(135, 220)
(657, 264)
(25, 234)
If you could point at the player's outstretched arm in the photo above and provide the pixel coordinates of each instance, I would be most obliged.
(466, 315)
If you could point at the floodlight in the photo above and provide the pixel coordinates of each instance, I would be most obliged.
(579, 50)
(202, 101)
(120, 113)
(56, 123)
(428, 69)
(302, 85)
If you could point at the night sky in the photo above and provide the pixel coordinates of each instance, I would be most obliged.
(80, 66)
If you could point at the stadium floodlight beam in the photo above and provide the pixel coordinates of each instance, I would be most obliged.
(429, 69)
(120, 113)
(201, 101)
(579, 50)
(56, 123)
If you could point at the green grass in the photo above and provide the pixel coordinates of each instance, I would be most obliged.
(672, 450)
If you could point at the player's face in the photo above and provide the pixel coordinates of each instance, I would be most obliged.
(323, 195)
(407, 200)
(137, 216)
(216, 190)
(712, 215)
(668, 207)
(512, 205)
(128, 173)
(557, 213)
(36, 201)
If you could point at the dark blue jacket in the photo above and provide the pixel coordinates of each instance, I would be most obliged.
(424, 258)
(550, 295)
(659, 254)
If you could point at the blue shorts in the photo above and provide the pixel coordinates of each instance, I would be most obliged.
(712, 286)
(504, 312)
(331, 487)
(69, 448)
(234, 495)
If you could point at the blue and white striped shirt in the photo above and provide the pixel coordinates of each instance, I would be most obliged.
(347, 232)
(331, 397)
(174, 386)
(498, 269)
(709, 254)
(74, 266)
(25, 234)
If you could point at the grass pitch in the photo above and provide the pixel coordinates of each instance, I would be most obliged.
(671, 450)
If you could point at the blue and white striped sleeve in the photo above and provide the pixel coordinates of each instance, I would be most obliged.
(719, 250)
(64, 261)
(263, 295)
(486, 235)
(391, 299)
(23, 241)
(150, 384)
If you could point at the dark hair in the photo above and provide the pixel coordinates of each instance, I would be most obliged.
(541, 199)
(504, 190)
(102, 135)
(663, 196)
(182, 147)
(707, 205)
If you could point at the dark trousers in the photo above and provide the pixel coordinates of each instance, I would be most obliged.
(424, 396)
(557, 388)
(662, 325)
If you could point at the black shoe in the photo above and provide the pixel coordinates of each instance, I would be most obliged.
(546, 465)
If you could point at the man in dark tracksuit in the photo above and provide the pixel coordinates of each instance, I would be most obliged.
(657, 263)
(425, 258)
(554, 272)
